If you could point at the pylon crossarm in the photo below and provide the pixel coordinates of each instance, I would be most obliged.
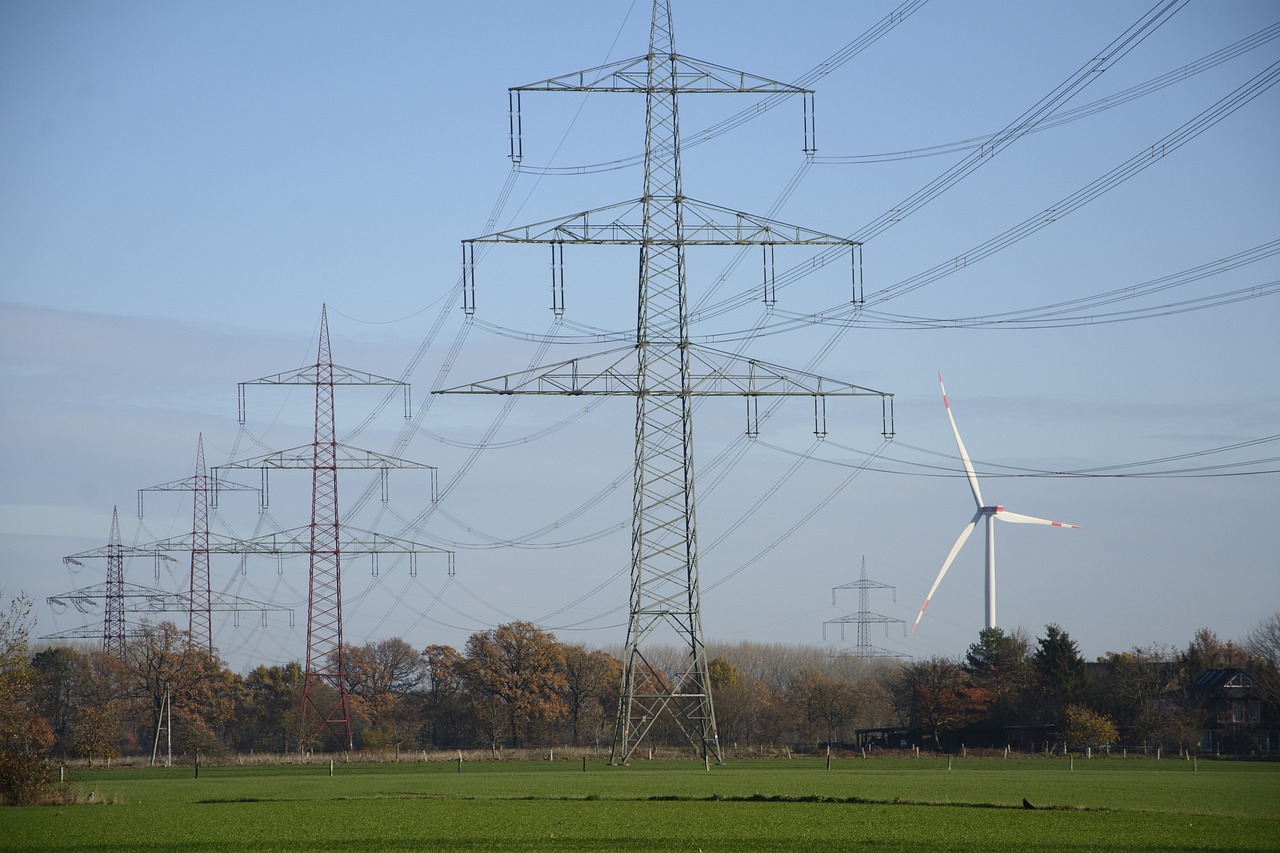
(855, 618)
(143, 599)
(707, 224)
(283, 543)
(354, 541)
(608, 372)
(82, 599)
(303, 457)
(727, 374)
(190, 484)
(617, 223)
(704, 224)
(307, 376)
(127, 551)
(689, 76)
(713, 373)
(88, 632)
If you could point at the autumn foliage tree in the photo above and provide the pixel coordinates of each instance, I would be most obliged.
(829, 704)
(25, 736)
(201, 692)
(443, 693)
(1084, 727)
(517, 671)
(937, 696)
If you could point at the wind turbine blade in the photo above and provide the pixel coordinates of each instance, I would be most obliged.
(1005, 515)
(964, 454)
(955, 549)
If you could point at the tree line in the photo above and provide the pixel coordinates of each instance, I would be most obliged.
(516, 685)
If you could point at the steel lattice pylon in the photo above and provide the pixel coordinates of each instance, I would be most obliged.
(664, 593)
(324, 600)
(326, 539)
(864, 618)
(113, 636)
(199, 601)
(200, 622)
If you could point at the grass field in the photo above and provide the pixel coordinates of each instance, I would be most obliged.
(769, 805)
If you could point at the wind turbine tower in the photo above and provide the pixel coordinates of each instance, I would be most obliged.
(985, 513)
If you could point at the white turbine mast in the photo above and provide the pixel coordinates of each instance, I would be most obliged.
(987, 513)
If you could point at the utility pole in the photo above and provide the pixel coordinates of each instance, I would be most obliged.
(664, 370)
(864, 618)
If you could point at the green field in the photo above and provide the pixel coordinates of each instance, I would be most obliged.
(776, 805)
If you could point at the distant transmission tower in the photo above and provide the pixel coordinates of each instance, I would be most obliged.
(327, 539)
(200, 607)
(664, 371)
(113, 638)
(864, 618)
(199, 602)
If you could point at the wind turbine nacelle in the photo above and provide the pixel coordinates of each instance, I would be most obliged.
(992, 510)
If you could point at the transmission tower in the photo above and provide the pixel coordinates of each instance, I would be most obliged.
(864, 618)
(199, 602)
(326, 539)
(199, 608)
(113, 612)
(134, 598)
(664, 371)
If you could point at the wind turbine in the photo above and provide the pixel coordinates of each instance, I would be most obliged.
(987, 513)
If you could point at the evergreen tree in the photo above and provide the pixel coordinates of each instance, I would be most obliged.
(997, 665)
(1059, 670)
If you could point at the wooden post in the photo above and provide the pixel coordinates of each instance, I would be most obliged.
(330, 766)
(828, 756)
(584, 764)
(948, 762)
(1071, 763)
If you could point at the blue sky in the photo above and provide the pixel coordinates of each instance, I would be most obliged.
(186, 184)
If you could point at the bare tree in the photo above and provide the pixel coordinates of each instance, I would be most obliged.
(1263, 643)
(592, 681)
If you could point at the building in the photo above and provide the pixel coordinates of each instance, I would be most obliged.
(1235, 717)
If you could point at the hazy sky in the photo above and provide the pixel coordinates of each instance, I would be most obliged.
(183, 185)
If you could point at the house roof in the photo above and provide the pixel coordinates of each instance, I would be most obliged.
(1224, 679)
